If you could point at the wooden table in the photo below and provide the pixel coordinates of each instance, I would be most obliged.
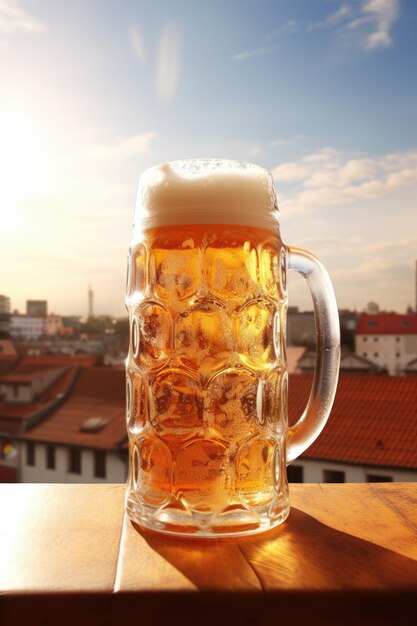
(346, 555)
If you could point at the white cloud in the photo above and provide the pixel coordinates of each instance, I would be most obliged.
(330, 178)
(344, 11)
(257, 52)
(136, 42)
(367, 24)
(288, 172)
(383, 13)
(168, 64)
(13, 18)
(123, 147)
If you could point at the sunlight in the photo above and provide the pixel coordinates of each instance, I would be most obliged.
(21, 166)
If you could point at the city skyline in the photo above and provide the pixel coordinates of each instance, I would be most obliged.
(322, 94)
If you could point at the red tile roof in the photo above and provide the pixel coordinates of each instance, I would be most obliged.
(7, 348)
(98, 392)
(373, 421)
(25, 379)
(31, 363)
(19, 411)
(387, 324)
(6, 363)
(30, 366)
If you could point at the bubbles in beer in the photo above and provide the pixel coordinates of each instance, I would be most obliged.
(256, 330)
(136, 397)
(274, 409)
(154, 335)
(231, 404)
(201, 476)
(176, 404)
(137, 274)
(269, 266)
(175, 273)
(231, 268)
(204, 336)
(256, 471)
(153, 471)
(206, 382)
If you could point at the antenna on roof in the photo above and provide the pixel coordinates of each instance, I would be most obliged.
(90, 302)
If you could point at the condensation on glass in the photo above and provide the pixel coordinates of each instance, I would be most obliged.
(206, 375)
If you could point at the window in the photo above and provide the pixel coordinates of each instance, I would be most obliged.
(15, 390)
(74, 461)
(50, 456)
(397, 339)
(30, 453)
(404, 322)
(371, 323)
(333, 476)
(398, 354)
(377, 478)
(295, 474)
(365, 354)
(365, 338)
(376, 338)
(100, 464)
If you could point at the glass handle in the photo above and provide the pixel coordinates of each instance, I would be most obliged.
(326, 374)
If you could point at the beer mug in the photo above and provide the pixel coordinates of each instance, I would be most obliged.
(206, 374)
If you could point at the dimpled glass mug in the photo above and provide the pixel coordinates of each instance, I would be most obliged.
(206, 375)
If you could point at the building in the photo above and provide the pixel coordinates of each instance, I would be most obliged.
(349, 363)
(30, 389)
(53, 325)
(26, 327)
(8, 357)
(5, 324)
(301, 328)
(5, 305)
(37, 308)
(371, 434)
(387, 339)
(348, 319)
(82, 441)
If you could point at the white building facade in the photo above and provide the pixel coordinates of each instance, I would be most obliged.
(388, 340)
(317, 471)
(51, 463)
(26, 327)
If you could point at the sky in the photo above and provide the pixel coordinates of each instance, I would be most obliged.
(92, 92)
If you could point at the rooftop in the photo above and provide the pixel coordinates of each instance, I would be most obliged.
(13, 414)
(387, 324)
(373, 420)
(98, 393)
(6, 363)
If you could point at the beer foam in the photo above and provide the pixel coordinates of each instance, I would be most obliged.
(206, 191)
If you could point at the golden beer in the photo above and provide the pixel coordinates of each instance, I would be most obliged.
(206, 373)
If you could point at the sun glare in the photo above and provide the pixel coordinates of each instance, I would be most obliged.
(21, 165)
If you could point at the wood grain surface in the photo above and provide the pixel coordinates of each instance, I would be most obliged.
(346, 555)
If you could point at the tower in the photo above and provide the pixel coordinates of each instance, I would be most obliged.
(90, 302)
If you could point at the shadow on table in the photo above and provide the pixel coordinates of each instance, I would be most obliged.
(302, 554)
